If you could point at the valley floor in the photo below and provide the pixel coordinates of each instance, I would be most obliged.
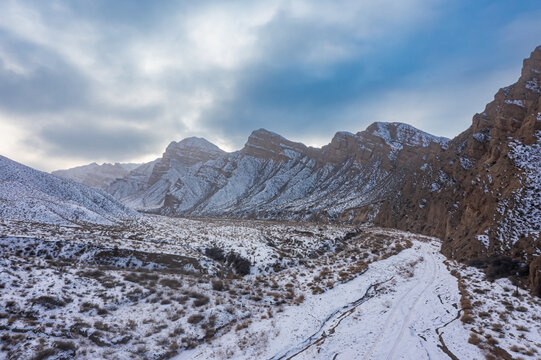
(176, 288)
(403, 307)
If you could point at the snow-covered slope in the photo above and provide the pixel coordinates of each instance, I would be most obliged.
(272, 177)
(31, 195)
(95, 175)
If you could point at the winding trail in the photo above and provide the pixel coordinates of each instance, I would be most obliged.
(400, 316)
(320, 334)
(329, 324)
(408, 328)
(382, 314)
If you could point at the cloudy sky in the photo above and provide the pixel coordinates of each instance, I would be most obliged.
(101, 80)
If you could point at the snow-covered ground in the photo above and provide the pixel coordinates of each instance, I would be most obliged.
(398, 309)
(504, 320)
(174, 288)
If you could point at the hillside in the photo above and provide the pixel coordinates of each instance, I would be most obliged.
(34, 196)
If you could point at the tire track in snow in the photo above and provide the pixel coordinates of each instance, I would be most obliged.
(429, 273)
(320, 335)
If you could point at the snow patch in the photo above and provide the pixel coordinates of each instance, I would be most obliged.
(484, 240)
(515, 102)
(466, 163)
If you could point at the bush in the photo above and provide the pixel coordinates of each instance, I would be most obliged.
(474, 339)
(240, 264)
(215, 253)
(196, 318)
(171, 283)
(44, 354)
(236, 261)
(200, 301)
(218, 285)
(48, 302)
(467, 318)
(499, 267)
(65, 345)
(95, 274)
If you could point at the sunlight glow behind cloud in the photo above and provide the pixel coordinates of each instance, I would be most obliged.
(117, 81)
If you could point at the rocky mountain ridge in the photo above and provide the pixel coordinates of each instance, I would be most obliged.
(99, 176)
(482, 195)
(272, 177)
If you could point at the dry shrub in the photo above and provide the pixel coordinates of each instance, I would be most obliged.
(44, 354)
(317, 290)
(474, 339)
(467, 318)
(195, 318)
(218, 285)
(200, 301)
(171, 283)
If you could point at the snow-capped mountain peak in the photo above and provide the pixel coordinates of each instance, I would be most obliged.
(267, 144)
(397, 135)
(100, 176)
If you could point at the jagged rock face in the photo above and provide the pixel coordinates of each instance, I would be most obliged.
(100, 176)
(187, 152)
(265, 144)
(482, 195)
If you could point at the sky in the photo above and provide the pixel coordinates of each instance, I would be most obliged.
(116, 81)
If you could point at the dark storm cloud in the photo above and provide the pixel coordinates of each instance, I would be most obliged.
(49, 84)
(436, 78)
(87, 140)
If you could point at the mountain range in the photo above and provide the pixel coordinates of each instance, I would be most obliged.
(479, 192)
(275, 178)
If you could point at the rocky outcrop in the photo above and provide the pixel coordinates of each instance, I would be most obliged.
(481, 195)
